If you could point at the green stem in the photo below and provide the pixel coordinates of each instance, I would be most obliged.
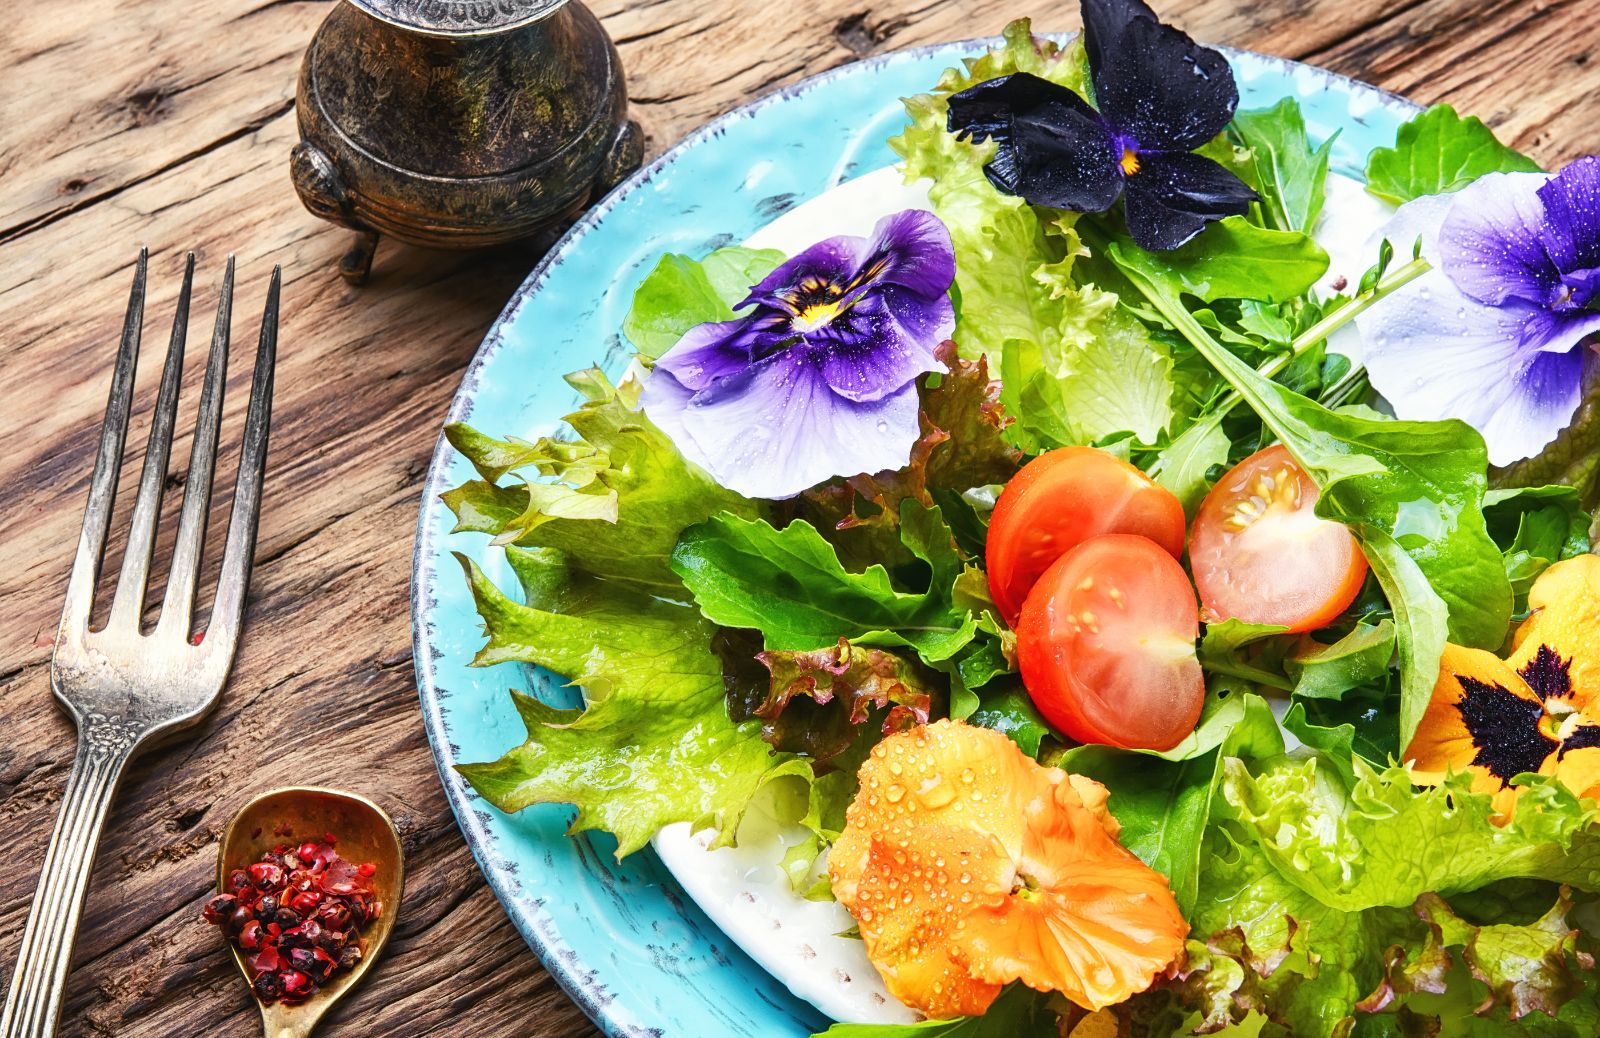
(1346, 312)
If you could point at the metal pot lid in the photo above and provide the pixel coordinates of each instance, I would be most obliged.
(459, 17)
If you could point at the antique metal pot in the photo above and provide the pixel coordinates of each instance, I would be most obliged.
(458, 123)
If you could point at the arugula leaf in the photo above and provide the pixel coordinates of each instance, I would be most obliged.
(1360, 722)
(654, 745)
(1012, 713)
(1163, 801)
(681, 293)
(1234, 259)
(1018, 1012)
(1411, 492)
(1439, 151)
(1535, 528)
(790, 585)
(614, 501)
(1286, 171)
(1183, 466)
(1329, 671)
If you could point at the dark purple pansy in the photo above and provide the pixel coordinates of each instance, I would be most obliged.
(1495, 334)
(819, 378)
(1160, 96)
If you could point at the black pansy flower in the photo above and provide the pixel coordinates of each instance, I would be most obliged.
(1160, 96)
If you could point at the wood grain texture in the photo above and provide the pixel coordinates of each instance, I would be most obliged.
(124, 121)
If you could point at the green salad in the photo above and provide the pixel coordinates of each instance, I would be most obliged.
(1133, 662)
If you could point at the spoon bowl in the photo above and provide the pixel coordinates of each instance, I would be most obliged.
(365, 834)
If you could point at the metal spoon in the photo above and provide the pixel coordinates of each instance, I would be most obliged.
(365, 834)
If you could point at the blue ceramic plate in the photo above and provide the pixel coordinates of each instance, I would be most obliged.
(622, 939)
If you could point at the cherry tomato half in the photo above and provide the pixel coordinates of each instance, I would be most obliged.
(1261, 553)
(1106, 644)
(1059, 500)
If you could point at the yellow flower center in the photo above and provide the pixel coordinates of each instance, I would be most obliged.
(816, 315)
(1561, 718)
(1130, 161)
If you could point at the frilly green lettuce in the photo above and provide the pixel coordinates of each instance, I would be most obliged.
(653, 745)
(1074, 371)
(1318, 873)
(614, 498)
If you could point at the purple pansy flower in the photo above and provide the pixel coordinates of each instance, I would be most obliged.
(819, 379)
(1160, 96)
(1493, 334)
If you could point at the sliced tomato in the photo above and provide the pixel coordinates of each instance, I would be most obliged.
(1059, 500)
(1106, 644)
(1261, 553)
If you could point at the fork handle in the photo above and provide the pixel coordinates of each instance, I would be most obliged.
(33, 1005)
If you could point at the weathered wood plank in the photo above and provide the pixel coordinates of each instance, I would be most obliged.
(1528, 69)
(174, 119)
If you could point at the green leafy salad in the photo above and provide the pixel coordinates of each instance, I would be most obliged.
(1133, 662)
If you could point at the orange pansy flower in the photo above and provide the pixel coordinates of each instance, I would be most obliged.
(1538, 710)
(968, 866)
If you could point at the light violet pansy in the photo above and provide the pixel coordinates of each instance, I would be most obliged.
(1495, 333)
(819, 378)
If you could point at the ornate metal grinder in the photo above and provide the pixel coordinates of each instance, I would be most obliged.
(458, 123)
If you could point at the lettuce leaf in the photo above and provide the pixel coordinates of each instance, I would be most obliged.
(819, 701)
(1314, 866)
(654, 744)
(962, 445)
(614, 500)
(1017, 302)
(681, 293)
(1436, 152)
(1496, 978)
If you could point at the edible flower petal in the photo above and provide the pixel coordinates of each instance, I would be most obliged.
(1493, 334)
(1538, 711)
(818, 379)
(1160, 96)
(969, 866)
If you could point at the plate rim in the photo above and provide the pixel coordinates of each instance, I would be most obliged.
(580, 984)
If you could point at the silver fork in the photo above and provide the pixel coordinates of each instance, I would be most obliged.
(125, 688)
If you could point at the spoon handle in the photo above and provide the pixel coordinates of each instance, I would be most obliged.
(33, 1006)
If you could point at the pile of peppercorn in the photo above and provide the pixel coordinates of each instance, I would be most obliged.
(297, 916)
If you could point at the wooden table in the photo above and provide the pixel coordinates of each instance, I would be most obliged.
(170, 124)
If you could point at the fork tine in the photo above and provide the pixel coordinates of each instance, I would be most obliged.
(178, 605)
(128, 603)
(222, 633)
(107, 465)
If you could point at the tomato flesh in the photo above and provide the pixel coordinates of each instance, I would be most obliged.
(1106, 644)
(1260, 552)
(1061, 499)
